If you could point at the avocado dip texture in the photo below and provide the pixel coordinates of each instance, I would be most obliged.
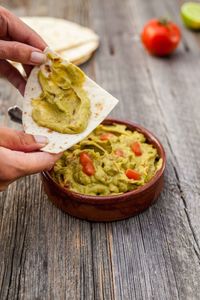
(63, 104)
(110, 161)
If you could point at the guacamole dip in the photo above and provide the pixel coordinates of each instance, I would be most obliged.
(111, 160)
(63, 104)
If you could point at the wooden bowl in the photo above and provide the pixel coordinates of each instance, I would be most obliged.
(109, 208)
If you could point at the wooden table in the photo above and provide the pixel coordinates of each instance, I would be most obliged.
(46, 254)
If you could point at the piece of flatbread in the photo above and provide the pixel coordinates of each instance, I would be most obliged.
(77, 62)
(101, 105)
(79, 53)
(61, 34)
(82, 60)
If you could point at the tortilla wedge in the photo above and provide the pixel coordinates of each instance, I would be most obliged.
(81, 53)
(61, 34)
(82, 60)
(75, 60)
(101, 105)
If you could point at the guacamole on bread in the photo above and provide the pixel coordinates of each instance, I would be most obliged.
(63, 104)
(110, 161)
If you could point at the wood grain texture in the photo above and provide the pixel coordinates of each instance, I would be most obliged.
(46, 254)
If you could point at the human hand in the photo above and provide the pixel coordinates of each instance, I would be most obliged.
(19, 43)
(19, 156)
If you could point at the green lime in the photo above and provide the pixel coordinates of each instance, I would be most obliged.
(190, 12)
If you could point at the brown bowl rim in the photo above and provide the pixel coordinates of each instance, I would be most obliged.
(120, 197)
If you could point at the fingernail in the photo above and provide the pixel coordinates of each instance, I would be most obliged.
(42, 140)
(38, 57)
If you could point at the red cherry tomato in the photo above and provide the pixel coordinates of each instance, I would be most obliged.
(132, 174)
(106, 136)
(160, 37)
(135, 147)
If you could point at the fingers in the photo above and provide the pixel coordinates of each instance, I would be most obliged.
(36, 162)
(20, 43)
(14, 28)
(20, 141)
(13, 75)
(3, 186)
(20, 52)
(16, 164)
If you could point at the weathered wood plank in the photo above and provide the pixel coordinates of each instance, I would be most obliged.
(46, 254)
(170, 268)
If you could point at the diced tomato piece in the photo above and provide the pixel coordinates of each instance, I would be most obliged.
(132, 174)
(87, 164)
(85, 158)
(119, 152)
(106, 136)
(136, 148)
(89, 169)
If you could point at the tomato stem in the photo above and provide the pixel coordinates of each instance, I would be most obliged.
(163, 21)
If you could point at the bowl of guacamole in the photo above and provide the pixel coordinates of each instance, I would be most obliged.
(114, 173)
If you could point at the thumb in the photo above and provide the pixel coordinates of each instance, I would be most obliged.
(35, 162)
(20, 52)
(20, 141)
(15, 164)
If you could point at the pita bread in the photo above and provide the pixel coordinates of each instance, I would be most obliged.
(72, 41)
(101, 105)
(82, 60)
(79, 53)
(61, 34)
